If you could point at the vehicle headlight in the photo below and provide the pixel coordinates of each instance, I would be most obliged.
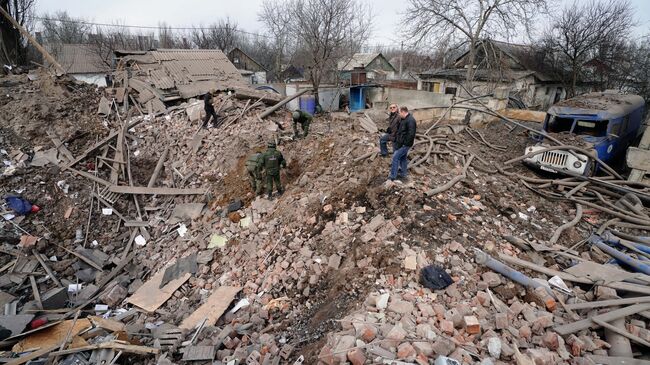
(577, 164)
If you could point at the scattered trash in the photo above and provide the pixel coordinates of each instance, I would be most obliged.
(140, 240)
(435, 277)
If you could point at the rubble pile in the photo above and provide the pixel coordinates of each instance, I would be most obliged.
(150, 247)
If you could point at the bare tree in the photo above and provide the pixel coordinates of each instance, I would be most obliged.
(581, 30)
(222, 35)
(273, 19)
(60, 28)
(166, 37)
(326, 29)
(635, 71)
(13, 48)
(469, 21)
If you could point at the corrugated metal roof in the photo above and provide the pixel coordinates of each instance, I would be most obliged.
(183, 73)
(160, 79)
(80, 58)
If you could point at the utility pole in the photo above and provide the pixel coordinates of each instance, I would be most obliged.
(31, 40)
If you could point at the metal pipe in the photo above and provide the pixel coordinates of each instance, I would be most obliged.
(505, 270)
(282, 102)
(627, 260)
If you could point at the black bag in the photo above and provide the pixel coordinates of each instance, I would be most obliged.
(435, 278)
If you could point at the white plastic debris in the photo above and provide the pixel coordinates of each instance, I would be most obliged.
(74, 288)
(140, 241)
(559, 284)
(61, 184)
(101, 308)
(241, 304)
(182, 229)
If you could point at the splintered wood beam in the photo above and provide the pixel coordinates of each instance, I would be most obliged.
(142, 190)
(159, 166)
(90, 150)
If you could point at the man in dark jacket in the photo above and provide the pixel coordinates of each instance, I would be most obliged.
(403, 142)
(209, 111)
(391, 131)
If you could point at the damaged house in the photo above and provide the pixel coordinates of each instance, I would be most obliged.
(159, 78)
(374, 67)
(250, 69)
(500, 64)
(83, 62)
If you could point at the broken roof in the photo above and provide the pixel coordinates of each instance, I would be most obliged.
(166, 75)
(237, 49)
(360, 60)
(80, 59)
(524, 62)
(605, 104)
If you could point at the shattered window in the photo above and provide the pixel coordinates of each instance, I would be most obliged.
(596, 128)
(558, 124)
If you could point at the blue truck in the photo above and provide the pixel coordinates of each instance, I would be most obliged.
(606, 122)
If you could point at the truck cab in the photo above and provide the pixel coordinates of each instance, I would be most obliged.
(603, 123)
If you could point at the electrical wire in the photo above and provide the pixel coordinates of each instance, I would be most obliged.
(143, 26)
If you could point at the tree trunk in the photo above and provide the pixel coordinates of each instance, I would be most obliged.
(9, 37)
(315, 79)
(469, 78)
(574, 78)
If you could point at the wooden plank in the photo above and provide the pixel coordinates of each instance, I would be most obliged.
(609, 303)
(34, 355)
(60, 146)
(119, 156)
(88, 175)
(107, 324)
(637, 158)
(570, 328)
(629, 287)
(37, 295)
(524, 114)
(621, 332)
(142, 190)
(159, 166)
(83, 258)
(613, 360)
(114, 345)
(47, 269)
(90, 150)
(213, 308)
(52, 336)
(150, 296)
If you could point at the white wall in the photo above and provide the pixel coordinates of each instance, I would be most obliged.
(414, 99)
(97, 79)
(328, 97)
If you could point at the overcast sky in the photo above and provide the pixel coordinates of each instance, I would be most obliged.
(244, 12)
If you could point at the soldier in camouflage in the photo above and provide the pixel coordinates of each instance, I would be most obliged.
(304, 119)
(254, 166)
(272, 160)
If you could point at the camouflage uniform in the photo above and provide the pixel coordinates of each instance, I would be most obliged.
(272, 160)
(304, 119)
(254, 167)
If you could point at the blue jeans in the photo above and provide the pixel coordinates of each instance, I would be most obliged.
(399, 165)
(383, 141)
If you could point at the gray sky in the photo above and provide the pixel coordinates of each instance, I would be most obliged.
(194, 12)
